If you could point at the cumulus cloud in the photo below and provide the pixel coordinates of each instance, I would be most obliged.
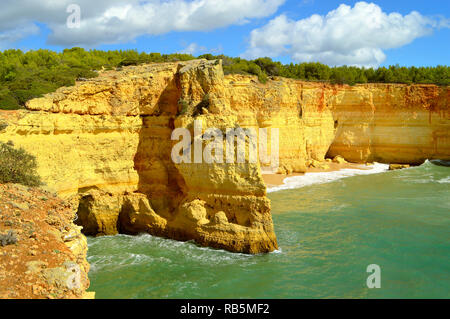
(116, 21)
(348, 35)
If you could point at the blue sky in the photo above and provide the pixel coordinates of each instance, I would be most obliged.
(280, 29)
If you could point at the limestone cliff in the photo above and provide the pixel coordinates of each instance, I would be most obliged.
(390, 123)
(106, 144)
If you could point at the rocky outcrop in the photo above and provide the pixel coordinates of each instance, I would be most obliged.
(106, 144)
(394, 167)
(44, 255)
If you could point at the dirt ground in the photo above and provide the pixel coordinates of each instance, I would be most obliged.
(35, 261)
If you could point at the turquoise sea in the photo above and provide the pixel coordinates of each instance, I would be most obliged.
(328, 233)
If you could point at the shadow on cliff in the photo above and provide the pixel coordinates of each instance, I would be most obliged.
(159, 179)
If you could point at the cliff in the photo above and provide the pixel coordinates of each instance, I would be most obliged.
(42, 252)
(388, 123)
(106, 144)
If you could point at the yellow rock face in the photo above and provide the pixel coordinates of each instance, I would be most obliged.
(106, 143)
(78, 152)
(392, 123)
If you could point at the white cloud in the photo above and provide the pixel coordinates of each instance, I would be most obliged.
(348, 35)
(193, 48)
(116, 21)
(196, 49)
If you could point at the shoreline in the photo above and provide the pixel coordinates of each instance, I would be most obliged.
(274, 180)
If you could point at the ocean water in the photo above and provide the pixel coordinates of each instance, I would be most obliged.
(328, 233)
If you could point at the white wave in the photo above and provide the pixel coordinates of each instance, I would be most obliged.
(190, 250)
(277, 251)
(122, 252)
(444, 180)
(118, 260)
(326, 177)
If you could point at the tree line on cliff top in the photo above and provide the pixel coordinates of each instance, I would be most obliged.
(26, 75)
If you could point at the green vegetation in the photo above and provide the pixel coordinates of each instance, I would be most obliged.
(17, 166)
(24, 76)
(183, 106)
(264, 67)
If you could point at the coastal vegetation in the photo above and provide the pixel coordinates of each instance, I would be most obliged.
(17, 166)
(27, 75)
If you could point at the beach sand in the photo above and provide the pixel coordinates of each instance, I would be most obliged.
(273, 180)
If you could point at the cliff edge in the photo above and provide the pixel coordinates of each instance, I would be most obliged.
(42, 252)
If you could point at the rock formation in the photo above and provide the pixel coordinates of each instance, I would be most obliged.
(106, 144)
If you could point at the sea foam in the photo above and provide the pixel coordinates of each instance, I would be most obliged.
(325, 177)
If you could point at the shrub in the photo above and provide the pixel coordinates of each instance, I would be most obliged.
(8, 101)
(8, 239)
(262, 77)
(17, 166)
(128, 62)
(183, 106)
(205, 103)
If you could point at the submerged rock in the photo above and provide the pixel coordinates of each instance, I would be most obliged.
(393, 167)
